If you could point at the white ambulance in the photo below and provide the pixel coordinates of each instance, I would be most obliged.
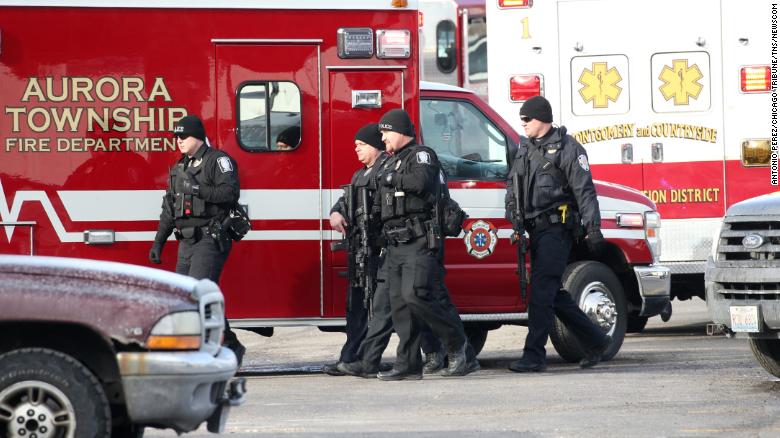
(453, 43)
(671, 97)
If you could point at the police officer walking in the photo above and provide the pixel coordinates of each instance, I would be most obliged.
(203, 187)
(551, 177)
(370, 151)
(367, 339)
(410, 185)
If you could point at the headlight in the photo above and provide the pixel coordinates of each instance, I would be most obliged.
(176, 331)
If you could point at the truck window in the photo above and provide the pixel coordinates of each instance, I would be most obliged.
(445, 46)
(269, 116)
(477, 49)
(468, 144)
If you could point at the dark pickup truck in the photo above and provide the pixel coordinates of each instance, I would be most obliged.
(98, 349)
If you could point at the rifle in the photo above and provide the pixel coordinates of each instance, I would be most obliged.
(517, 192)
(364, 254)
(357, 240)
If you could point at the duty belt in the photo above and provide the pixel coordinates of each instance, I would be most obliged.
(413, 228)
(562, 215)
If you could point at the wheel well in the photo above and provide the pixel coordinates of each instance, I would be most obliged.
(82, 343)
(613, 257)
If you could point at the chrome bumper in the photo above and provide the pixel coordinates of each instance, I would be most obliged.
(654, 288)
(179, 390)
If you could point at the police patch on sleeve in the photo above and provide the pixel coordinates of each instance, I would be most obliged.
(224, 164)
(423, 157)
(583, 160)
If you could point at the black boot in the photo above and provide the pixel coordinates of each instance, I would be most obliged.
(332, 369)
(459, 365)
(357, 369)
(433, 362)
(593, 356)
(396, 374)
(525, 365)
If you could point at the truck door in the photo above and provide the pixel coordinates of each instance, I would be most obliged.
(357, 96)
(473, 150)
(642, 94)
(268, 120)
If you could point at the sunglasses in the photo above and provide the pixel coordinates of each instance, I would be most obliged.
(181, 136)
(525, 119)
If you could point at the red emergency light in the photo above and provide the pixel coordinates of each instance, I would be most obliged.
(756, 79)
(515, 3)
(524, 87)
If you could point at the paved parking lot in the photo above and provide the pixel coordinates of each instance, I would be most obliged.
(671, 380)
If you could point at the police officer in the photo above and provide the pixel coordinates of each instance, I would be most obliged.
(370, 151)
(410, 184)
(361, 354)
(203, 186)
(558, 199)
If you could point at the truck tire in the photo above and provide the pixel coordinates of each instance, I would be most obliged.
(477, 337)
(37, 383)
(767, 353)
(598, 292)
(636, 324)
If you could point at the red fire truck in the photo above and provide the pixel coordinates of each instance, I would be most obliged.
(671, 97)
(90, 97)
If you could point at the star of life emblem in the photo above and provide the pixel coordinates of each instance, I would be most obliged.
(481, 239)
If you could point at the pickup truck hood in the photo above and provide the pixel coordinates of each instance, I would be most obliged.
(118, 300)
(762, 205)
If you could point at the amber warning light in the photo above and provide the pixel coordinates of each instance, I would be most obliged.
(515, 3)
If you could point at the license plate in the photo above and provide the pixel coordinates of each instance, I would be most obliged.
(744, 319)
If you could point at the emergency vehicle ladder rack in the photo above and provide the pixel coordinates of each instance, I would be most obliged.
(30, 224)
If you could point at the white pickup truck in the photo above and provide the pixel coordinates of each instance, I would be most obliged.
(743, 278)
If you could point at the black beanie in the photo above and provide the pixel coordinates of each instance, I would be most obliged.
(537, 108)
(370, 135)
(190, 125)
(397, 120)
(290, 136)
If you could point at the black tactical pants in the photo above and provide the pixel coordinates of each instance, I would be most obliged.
(357, 324)
(550, 248)
(415, 280)
(380, 328)
(201, 258)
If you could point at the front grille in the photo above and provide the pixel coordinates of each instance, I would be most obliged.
(730, 247)
(213, 322)
(749, 291)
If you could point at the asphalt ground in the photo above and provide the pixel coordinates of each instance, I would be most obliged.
(672, 380)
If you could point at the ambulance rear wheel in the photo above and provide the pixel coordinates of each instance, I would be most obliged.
(598, 292)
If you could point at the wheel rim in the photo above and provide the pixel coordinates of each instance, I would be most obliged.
(34, 409)
(598, 303)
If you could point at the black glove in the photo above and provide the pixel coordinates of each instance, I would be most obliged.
(188, 188)
(154, 253)
(388, 179)
(595, 241)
